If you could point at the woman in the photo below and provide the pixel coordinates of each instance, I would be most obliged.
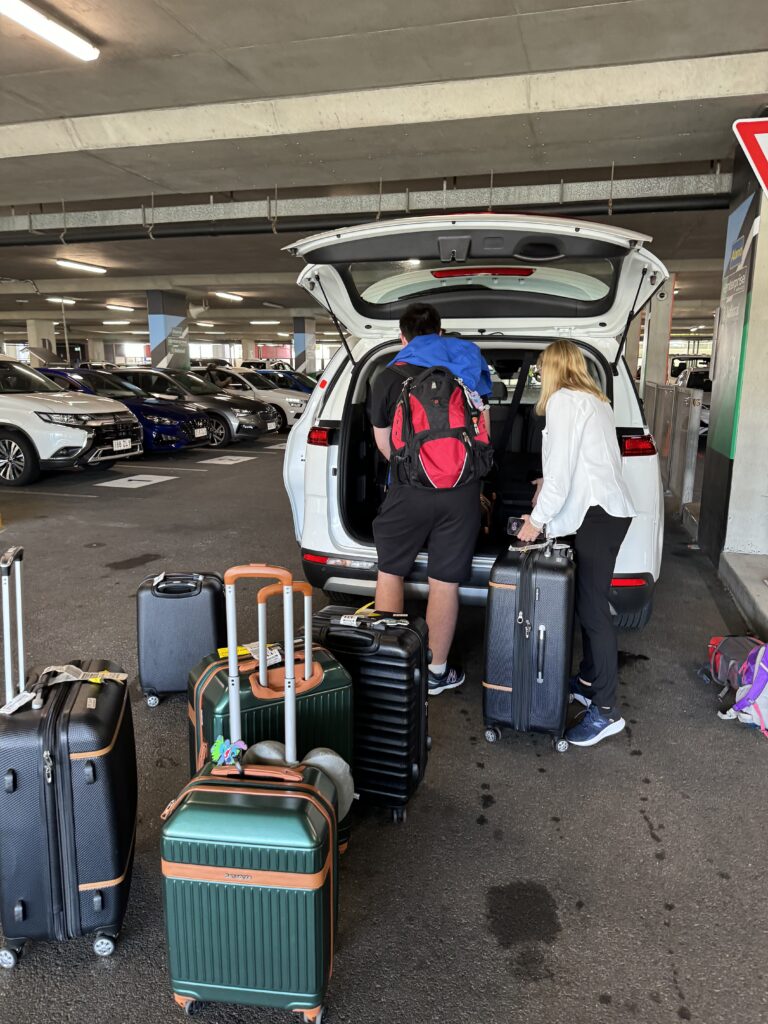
(582, 492)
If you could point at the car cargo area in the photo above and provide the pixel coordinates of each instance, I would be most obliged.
(363, 471)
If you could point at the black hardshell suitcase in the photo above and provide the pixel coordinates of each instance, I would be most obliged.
(67, 800)
(387, 657)
(181, 619)
(528, 641)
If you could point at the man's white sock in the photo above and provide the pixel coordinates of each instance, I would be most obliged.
(438, 670)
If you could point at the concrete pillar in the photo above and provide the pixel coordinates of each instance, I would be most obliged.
(41, 334)
(656, 350)
(168, 330)
(96, 351)
(250, 350)
(304, 340)
(632, 348)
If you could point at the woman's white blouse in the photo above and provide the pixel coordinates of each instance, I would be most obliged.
(581, 462)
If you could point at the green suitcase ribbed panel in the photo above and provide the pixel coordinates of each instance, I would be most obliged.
(265, 946)
(247, 858)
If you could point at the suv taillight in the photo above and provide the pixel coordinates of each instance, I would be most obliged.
(320, 436)
(637, 444)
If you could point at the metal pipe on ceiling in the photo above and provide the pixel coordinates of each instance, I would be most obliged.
(298, 226)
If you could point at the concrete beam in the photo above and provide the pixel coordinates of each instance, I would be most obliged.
(111, 285)
(620, 86)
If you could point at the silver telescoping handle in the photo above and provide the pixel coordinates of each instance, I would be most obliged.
(291, 757)
(306, 590)
(10, 564)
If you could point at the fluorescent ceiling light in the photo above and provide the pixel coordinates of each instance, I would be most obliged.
(214, 332)
(137, 332)
(330, 334)
(58, 298)
(265, 323)
(229, 296)
(120, 309)
(115, 323)
(273, 305)
(283, 334)
(22, 301)
(204, 323)
(91, 268)
(48, 29)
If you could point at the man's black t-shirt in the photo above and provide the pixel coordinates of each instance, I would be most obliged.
(386, 391)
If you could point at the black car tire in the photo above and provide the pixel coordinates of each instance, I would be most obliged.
(282, 421)
(631, 622)
(220, 435)
(19, 464)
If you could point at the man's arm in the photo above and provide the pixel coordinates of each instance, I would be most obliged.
(381, 437)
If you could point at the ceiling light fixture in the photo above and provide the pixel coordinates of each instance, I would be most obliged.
(214, 332)
(229, 296)
(283, 334)
(120, 309)
(205, 323)
(91, 268)
(22, 302)
(265, 323)
(53, 32)
(137, 332)
(58, 298)
(273, 305)
(115, 323)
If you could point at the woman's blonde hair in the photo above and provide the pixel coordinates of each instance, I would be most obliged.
(562, 365)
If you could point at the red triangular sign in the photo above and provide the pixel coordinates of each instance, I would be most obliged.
(752, 133)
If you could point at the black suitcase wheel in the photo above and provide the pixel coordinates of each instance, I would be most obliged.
(399, 815)
(9, 957)
(104, 945)
(492, 734)
(560, 745)
(153, 699)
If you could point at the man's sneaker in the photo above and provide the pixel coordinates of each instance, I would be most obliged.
(578, 692)
(449, 680)
(595, 726)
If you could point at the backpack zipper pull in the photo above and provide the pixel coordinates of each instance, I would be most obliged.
(48, 766)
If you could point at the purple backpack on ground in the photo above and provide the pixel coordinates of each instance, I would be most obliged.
(751, 699)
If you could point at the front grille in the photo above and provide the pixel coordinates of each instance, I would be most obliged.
(111, 428)
(188, 428)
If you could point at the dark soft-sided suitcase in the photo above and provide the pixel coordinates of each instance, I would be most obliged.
(67, 800)
(250, 871)
(180, 620)
(324, 688)
(386, 656)
(528, 640)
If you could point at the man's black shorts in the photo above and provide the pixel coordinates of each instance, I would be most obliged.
(445, 523)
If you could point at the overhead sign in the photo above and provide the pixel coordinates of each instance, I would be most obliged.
(752, 133)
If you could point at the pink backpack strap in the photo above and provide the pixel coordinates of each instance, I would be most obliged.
(757, 664)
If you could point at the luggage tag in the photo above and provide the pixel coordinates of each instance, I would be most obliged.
(17, 702)
(274, 653)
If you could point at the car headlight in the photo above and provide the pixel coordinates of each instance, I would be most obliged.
(296, 402)
(67, 419)
(163, 421)
(243, 414)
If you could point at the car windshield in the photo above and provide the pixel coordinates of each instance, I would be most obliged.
(303, 378)
(258, 380)
(107, 384)
(193, 383)
(281, 379)
(17, 379)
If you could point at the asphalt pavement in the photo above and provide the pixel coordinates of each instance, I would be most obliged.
(620, 883)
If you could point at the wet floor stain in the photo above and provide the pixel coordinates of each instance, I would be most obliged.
(485, 785)
(652, 829)
(481, 819)
(133, 563)
(487, 801)
(627, 658)
(605, 998)
(522, 912)
(498, 834)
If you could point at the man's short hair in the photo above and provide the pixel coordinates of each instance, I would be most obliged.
(419, 318)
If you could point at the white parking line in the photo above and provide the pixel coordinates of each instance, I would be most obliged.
(176, 469)
(46, 494)
(227, 460)
(140, 480)
(277, 447)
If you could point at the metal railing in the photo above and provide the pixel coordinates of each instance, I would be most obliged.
(673, 415)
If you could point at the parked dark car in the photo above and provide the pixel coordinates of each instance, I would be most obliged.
(291, 380)
(167, 426)
(232, 419)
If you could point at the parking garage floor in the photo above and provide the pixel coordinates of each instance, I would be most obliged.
(608, 885)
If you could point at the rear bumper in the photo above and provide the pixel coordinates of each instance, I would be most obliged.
(630, 593)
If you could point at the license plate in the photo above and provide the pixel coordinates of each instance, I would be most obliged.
(271, 426)
(201, 432)
(122, 444)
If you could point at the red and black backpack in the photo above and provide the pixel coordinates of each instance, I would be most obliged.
(439, 439)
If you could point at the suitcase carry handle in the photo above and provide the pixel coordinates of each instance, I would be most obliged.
(270, 572)
(357, 638)
(177, 584)
(10, 564)
(259, 771)
(262, 598)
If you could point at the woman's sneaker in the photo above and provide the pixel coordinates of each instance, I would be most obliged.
(596, 725)
(449, 680)
(578, 692)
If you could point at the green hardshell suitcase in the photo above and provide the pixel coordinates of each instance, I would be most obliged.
(250, 868)
(323, 694)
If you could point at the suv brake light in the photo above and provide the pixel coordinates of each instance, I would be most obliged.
(441, 275)
(320, 436)
(628, 581)
(637, 444)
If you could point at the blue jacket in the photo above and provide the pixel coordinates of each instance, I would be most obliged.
(461, 357)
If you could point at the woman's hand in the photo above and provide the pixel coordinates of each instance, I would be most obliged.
(539, 484)
(528, 532)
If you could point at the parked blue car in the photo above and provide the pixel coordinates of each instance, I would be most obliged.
(293, 380)
(167, 426)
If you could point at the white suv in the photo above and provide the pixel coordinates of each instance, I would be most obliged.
(44, 427)
(511, 283)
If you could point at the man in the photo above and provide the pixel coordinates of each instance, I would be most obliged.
(445, 522)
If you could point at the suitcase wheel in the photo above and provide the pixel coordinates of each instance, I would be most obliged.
(9, 956)
(314, 1016)
(560, 745)
(104, 945)
(492, 734)
(189, 1006)
(399, 815)
(152, 699)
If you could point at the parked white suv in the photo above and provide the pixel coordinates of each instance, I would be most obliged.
(44, 427)
(247, 383)
(512, 284)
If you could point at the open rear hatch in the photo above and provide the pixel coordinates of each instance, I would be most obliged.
(484, 272)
